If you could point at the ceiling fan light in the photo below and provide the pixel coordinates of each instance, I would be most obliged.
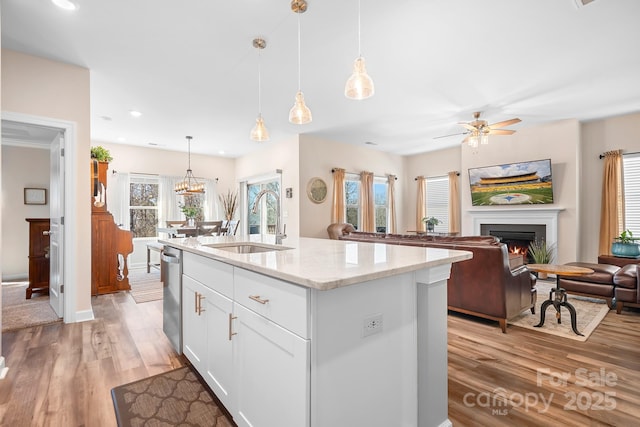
(359, 85)
(300, 114)
(259, 132)
(484, 138)
(473, 140)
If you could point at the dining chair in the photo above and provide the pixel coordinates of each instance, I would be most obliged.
(209, 228)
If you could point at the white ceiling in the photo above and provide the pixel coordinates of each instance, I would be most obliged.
(190, 68)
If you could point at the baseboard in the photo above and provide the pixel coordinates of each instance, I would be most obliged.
(3, 368)
(15, 277)
(84, 316)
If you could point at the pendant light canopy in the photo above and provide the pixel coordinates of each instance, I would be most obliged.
(189, 184)
(299, 114)
(259, 132)
(360, 85)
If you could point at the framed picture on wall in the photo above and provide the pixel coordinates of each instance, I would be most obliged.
(35, 196)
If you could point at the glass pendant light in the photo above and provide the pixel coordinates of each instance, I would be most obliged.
(359, 85)
(259, 131)
(299, 114)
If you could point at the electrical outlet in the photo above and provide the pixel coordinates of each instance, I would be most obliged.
(372, 325)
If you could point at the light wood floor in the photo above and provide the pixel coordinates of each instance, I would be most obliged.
(62, 375)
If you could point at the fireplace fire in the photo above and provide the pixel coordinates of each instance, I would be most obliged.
(516, 236)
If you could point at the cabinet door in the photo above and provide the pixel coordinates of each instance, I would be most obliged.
(271, 371)
(219, 374)
(194, 325)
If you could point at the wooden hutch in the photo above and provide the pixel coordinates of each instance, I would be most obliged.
(110, 245)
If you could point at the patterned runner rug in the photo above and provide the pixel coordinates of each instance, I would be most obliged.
(173, 398)
(590, 312)
(145, 286)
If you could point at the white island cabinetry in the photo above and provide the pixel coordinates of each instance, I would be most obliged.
(324, 334)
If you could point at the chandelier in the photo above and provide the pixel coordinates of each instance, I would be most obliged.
(189, 184)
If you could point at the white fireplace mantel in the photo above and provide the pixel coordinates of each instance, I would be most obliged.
(530, 215)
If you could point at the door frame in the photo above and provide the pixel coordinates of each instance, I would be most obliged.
(70, 231)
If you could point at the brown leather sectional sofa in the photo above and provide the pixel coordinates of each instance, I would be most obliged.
(484, 286)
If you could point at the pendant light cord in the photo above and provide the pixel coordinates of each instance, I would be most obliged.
(259, 85)
(299, 86)
(359, 47)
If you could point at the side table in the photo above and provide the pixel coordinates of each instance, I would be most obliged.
(560, 298)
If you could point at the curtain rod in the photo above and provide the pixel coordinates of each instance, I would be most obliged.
(354, 173)
(601, 156)
(416, 178)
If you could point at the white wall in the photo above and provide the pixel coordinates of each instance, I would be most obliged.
(318, 156)
(21, 168)
(598, 136)
(44, 88)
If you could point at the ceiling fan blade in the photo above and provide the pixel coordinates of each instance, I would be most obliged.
(467, 125)
(505, 123)
(465, 140)
(453, 134)
(501, 132)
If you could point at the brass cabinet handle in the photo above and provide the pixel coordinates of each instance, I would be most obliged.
(257, 298)
(231, 333)
(196, 300)
(200, 309)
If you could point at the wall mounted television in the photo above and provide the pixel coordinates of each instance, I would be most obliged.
(524, 183)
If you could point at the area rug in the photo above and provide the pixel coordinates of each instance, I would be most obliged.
(19, 312)
(590, 312)
(173, 398)
(145, 286)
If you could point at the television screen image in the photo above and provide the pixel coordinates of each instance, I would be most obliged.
(512, 184)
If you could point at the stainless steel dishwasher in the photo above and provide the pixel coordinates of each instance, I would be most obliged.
(171, 266)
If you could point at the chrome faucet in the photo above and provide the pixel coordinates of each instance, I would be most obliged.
(254, 209)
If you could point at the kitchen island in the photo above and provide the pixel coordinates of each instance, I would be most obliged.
(318, 332)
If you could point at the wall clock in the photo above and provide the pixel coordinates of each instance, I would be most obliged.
(317, 190)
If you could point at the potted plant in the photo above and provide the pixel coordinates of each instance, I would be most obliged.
(101, 154)
(229, 204)
(541, 253)
(431, 222)
(190, 212)
(625, 245)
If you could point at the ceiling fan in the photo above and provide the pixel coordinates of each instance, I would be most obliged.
(479, 130)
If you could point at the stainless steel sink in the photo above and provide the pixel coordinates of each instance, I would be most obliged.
(246, 248)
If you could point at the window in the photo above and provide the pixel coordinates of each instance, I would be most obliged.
(264, 220)
(631, 178)
(381, 202)
(143, 205)
(352, 199)
(438, 201)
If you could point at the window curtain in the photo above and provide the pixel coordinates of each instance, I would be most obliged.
(337, 210)
(391, 197)
(454, 203)
(612, 206)
(168, 209)
(421, 203)
(367, 207)
(211, 205)
(118, 199)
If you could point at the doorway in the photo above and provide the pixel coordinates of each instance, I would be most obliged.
(32, 131)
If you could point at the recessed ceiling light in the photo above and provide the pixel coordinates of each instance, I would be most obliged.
(221, 152)
(121, 139)
(135, 113)
(65, 4)
(154, 144)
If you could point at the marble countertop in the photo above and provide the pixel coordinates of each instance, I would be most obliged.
(321, 264)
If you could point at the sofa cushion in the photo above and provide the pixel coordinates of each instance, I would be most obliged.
(602, 273)
(627, 276)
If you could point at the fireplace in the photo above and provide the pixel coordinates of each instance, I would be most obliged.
(544, 217)
(516, 236)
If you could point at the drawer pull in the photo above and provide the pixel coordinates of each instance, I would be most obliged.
(257, 298)
(196, 300)
(231, 318)
(200, 309)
